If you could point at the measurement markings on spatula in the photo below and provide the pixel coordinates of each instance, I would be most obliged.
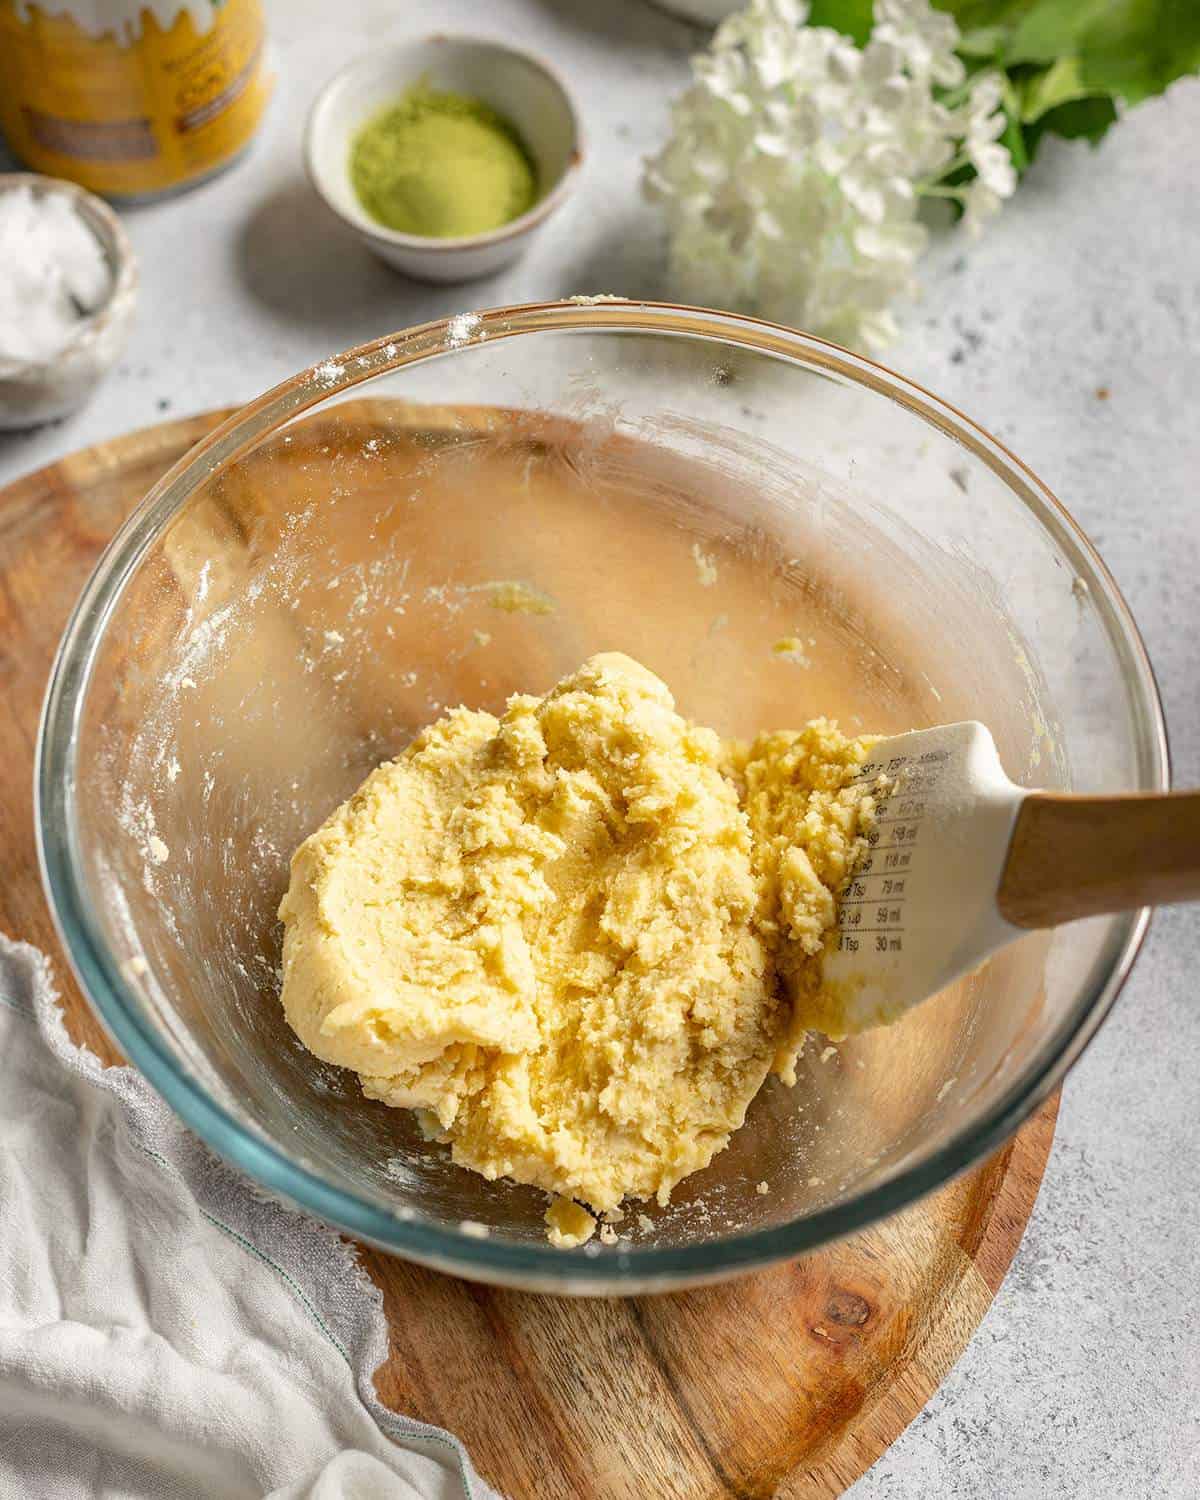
(873, 906)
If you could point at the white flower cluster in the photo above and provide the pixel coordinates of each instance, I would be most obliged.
(793, 174)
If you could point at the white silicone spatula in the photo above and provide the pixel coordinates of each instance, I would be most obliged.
(963, 861)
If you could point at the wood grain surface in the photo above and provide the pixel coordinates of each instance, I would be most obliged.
(1075, 856)
(786, 1383)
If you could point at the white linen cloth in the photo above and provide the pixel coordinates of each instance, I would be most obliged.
(164, 1332)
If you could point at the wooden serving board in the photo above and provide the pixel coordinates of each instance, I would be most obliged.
(789, 1382)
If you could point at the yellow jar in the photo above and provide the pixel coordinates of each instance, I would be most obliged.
(131, 98)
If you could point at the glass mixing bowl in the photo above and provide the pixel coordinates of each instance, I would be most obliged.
(778, 528)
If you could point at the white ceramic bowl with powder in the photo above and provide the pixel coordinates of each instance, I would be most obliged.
(35, 389)
(516, 85)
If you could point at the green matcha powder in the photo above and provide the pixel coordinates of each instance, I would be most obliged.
(441, 165)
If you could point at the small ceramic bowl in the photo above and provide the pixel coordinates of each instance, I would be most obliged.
(516, 85)
(34, 391)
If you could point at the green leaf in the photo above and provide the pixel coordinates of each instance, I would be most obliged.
(1130, 48)
(1086, 119)
(1058, 84)
(1051, 29)
(1057, 101)
(977, 15)
(1135, 48)
(982, 42)
(853, 18)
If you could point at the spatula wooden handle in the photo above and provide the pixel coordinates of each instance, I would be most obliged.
(1079, 856)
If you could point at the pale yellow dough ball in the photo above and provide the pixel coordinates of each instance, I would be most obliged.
(556, 933)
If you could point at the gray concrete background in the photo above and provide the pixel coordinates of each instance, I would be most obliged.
(1084, 1379)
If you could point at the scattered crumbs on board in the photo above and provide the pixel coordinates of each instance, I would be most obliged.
(645, 1223)
(159, 852)
(828, 1053)
(706, 567)
(517, 598)
(762, 1189)
(792, 648)
(473, 1229)
(608, 1235)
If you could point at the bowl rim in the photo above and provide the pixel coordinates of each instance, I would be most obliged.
(368, 228)
(104, 223)
(627, 1268)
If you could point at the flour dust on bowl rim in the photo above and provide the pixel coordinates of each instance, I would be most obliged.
(318, 579)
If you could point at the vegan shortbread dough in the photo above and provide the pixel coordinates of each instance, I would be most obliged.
(578, 937)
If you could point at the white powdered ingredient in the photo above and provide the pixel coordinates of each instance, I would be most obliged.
(706, 567)
(53, 274)
(460, 328)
